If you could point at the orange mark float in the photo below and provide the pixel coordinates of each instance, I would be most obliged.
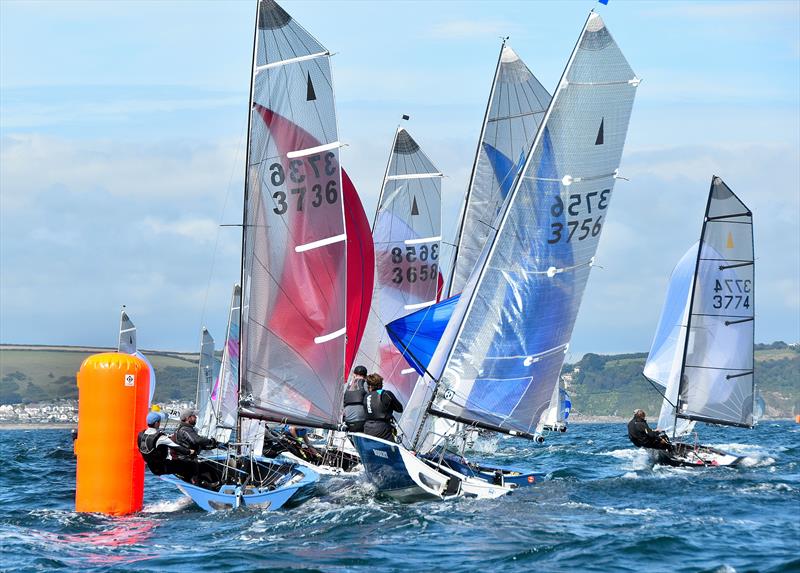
(113, 398)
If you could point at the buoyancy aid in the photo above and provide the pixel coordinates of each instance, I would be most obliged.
(376, 408)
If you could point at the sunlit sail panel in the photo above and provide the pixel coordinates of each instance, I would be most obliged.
(407, 238)
(517, 105)
(663, 365)
(717, 382)
(502, 352)
(294, 267)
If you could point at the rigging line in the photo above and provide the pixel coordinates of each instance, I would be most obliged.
(659, 391)
(221, 217)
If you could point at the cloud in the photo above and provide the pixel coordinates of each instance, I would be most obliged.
(200, 230)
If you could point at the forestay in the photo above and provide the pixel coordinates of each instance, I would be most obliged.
(717, 377)
(294, 267)
(407, 236)
(502, 352)
(517, 104)
(665, 360)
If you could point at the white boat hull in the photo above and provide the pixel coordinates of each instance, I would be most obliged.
(400, 474)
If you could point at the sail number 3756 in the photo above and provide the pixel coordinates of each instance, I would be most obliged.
(579, 229)
(298, 168)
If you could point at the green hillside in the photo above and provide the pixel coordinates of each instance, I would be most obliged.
(33, 374)
(599, 384)
(613, 384)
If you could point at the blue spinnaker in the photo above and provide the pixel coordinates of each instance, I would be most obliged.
(416, 335)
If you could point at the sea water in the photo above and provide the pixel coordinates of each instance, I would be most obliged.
(603, 507)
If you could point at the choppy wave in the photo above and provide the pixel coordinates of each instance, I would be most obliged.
(603, 507)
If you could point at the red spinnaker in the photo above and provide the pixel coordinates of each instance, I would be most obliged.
(360, 269)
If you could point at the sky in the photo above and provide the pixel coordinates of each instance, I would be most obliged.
(122, 134)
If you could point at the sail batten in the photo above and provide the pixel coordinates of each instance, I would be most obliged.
(294, 265)
(407, 237)
(716, 378)
(502, 352)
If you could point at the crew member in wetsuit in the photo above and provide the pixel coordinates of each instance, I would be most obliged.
(643, 436)
(379, 405)
(154, 445)
(354, 393)
(186, 435)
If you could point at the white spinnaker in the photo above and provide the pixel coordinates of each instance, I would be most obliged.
(407, 238)
(503, 349)
(665, 359)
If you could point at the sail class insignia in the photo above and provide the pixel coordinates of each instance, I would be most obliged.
(599, 140)
(310, 93)
(414, 207)
(729, 242)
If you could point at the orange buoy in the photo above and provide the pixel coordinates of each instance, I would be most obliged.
(113, 397)
(797, 419)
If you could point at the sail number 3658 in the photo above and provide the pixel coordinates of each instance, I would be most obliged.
(329, 193)
(580, 229)
(412, 255)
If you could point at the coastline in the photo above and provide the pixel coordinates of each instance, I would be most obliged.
(38, 426)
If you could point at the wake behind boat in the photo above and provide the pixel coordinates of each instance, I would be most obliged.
(703, 352)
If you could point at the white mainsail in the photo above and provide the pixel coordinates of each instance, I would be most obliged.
(716, 382)
(516, 107)
(206, 375)
(502, 352)
(294, 267)
(127, 345)
(407, 238)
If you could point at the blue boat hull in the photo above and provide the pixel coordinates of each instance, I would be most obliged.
(296, 485)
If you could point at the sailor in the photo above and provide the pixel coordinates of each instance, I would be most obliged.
(298, 444)
(186, 435)
(643, 436)
(354, 394)
(379, 405)
(154, 445)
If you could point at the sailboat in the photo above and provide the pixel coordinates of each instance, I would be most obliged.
(555, 418)
(127, 345)
(502, 350)
(407, 236)
(702, 354)
(294, 319)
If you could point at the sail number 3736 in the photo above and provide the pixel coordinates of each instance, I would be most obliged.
(298, 168)
(578, 229)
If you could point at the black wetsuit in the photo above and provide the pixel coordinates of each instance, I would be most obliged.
(379, 406)
(643, 436)
(186, 435)
(154, 445)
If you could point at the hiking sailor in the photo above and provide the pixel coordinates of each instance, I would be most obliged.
(379, 405)
(354, 394)
(643, 436)
(186, 435)
(154, 444)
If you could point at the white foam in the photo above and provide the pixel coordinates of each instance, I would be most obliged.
(169, 506)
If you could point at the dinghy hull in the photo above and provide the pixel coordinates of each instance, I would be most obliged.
(400, 474)
(296, 485)
(689, 455)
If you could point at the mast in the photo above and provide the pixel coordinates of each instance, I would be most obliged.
(499, 360)
(244, 212)
(465, 204)
(502, 219)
